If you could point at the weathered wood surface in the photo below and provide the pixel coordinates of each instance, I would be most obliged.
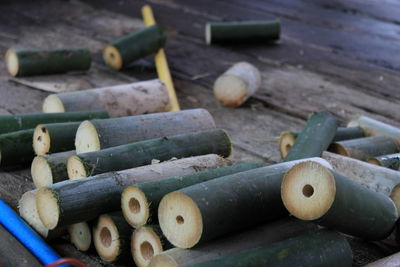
(338, 55)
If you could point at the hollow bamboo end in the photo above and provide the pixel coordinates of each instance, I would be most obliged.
(208, 34)
(28, 211)
(145, 243)
(48, 208)
(80, 235)
(112, 57)
(87, 138)
(163, 260)
(106, 239)
(230, 90)
(53, 104)
(12, 62)
(395, 196)
(76, 168)
(41, 172)
(180, 220)
(308, 190)
(135, 206)
(286, 141)
(41, 140)
(339, 149)
(374, 161)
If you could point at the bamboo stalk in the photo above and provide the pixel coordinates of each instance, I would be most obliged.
(121, 100)
(50, 169)
(208, 210)
(140, 202)
(80, 235)
(389, 261)
(99, 134)
(80, 200)
(391, 161)
(253, 237)
(16, 148)
(142, 153)
(314, 193)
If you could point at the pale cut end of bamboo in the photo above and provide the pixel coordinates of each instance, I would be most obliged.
(53, 104)
(48, 208)
(145, 243)
(106, 239)
(41, 172)
(395, 196)
(28, 211)
(180, 220)
(87, 138)
(41, 140)
(286, 141)
(374, 161)
(135, 206)
(163, 260)
(112, 57)
(339, 149)
(308, 190)
(12, 62)
(208, 33)
(80, 235)
(76, 168)
(230, 90)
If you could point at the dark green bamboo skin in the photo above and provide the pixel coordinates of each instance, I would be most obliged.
(359, 212)
(11, 123)
(58, 165)
(366, 147)
(156, 190)
(315, 137)
(391, 161)
(321, 249)
(346, 133)
(142, 153)
(37, 62)
(62, 135)
(244, 32)
(90, 97)
(140, 44)
(13, 253)
(118, 131)
(16, 148)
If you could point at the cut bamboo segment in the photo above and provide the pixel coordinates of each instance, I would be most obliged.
(389, 261)
(374, 127)
(99, 134)
(50, 169)
(80, 235)
(12, 123)
(366, 147)
(146, 242)
(314, 193)
(288, 138)
(315, 137)
(133, 46)
(323, 248)
(208, 210)
(111, 236)
(140, 202)
(246, 31)
(253, 237)
(391, 161)
(16, 148)
(141, 153)
(28, 211)
(75, 201)
(37, 62)
(237, 84)
(121, 100)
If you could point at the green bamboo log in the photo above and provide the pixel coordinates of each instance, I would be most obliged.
(391, 161)
(140, 202)
(208, 210)
(133, 46)
(315, 137)
(16, 148)
(253, 237)
(120, 100)
(323, 248)
(50, 169)
(80, 235)
(94, 135)
(146, 242)
(366, 147)
(81, 200)
(312, 192)
(111, 236)
(246, 31)
(288, 138)
(142, 153)
(12, 123)
(37, 62)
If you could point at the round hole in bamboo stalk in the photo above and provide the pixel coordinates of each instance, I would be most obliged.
(47, 205)
(105, 236)
(80, 235)
(145, 243)
(135, 206)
